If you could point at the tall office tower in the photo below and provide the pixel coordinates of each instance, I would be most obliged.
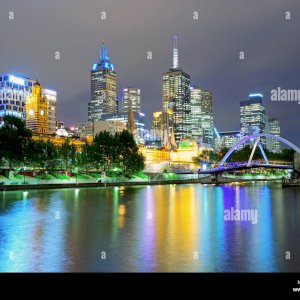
(157, 125)
(252, 115)
(176, 97)
(52, 109)
(207, 120)
(131, 96)
(196, 125)
(13, 93)
(103, 88)
(272, 127)
(37, 110)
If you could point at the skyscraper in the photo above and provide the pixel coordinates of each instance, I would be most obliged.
(52, 109)
(272, 127)
(252, 115)
(176, 97)
(131, 96)
(207, 120)
(103, 87)
(13, 92)
(196, 125)
(37, 110)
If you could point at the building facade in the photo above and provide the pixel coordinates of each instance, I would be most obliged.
(37, 110)
(227, 139)
(13, 93)
(272, 127)
(139, 119)
(207, 120)
(133, 96)
(176, 97)
(196, 122)
(103, 88)
(252, 115)
(92, 128)
(52, 109)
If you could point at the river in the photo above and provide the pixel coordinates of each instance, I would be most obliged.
(166, 228)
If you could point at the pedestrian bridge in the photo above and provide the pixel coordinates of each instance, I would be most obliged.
(265, 163)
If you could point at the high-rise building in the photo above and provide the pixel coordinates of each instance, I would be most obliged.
(157, 125)
(207, 120)
(103, 87)
(131, 96)
(13, 92)
(176, 97)
(52, 109)
(37, 110)
(196, 124)
(272, 127)
(252, 115)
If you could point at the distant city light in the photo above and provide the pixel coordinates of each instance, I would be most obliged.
(255, 95)
(16, 80)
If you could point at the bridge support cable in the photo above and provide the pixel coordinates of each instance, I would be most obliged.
(263, 153)
(253, 151)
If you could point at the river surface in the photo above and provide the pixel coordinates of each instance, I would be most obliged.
(168, 228)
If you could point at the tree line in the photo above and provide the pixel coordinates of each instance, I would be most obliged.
(105, 152)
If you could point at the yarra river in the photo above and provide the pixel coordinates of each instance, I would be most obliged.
(167, 228)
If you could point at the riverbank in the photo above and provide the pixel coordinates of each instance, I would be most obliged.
(202, 180)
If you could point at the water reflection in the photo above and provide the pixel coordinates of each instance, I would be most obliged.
(152, 228)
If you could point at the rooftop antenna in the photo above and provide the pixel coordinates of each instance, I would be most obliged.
(175, 52)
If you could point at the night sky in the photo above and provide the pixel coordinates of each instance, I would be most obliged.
(208, 47)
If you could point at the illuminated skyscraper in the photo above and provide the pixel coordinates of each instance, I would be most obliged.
(196, 125)
(207, 120)
(103, 88)
(13, 92)
(37, 110)
(157, 125)
(176, 97)
(272, 127)
(133, 96)
(252, 115)
(52, 109)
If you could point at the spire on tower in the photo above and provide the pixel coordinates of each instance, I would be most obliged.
(175, 52)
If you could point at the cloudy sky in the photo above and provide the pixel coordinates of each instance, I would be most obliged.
(209, 50)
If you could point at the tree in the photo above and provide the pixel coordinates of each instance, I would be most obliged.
(67, 153)
(129, 159)
(14, 140)
(102, 150)
(85, 159)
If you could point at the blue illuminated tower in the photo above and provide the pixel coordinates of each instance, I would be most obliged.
(103, 87)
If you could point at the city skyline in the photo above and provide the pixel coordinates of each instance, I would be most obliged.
(210, 70)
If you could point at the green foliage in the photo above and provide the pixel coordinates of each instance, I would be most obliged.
(14, 139)
(67, 153)
(42, 155)
(117, 151)
(85, 158)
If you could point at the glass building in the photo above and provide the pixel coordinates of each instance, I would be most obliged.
(272, 127)
(103, 88)
(196, 124)
(252, 115)
(207, 120)
(13, 93)
(52, 109)
(176, 97)
(133, 96)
